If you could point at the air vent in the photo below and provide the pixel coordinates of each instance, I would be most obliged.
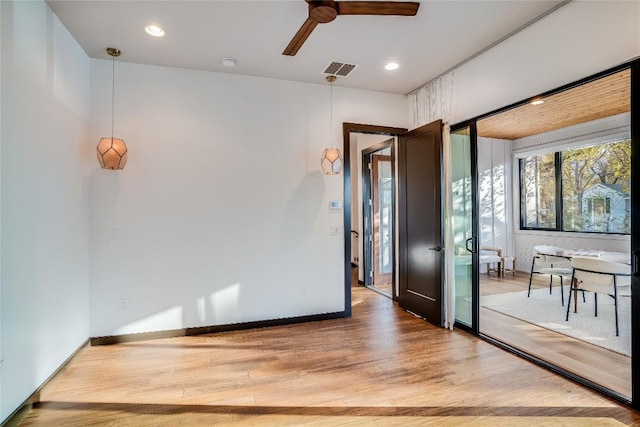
(336, 68)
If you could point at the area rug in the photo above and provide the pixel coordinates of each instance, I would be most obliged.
(544, 310)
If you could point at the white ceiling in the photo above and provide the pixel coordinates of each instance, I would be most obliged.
(200, 33)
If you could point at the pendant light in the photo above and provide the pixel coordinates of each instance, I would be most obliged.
(112, 152)
(331, 160)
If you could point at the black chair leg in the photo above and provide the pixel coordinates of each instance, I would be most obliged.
(615, 303)
(531, 276)
(550, 283)
(561, 290)
(569, 301)
(595, 299)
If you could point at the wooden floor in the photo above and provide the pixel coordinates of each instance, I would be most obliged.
(381, 367)
(385, 288)
(605, 367)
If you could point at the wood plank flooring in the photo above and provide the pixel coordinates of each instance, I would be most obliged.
(605, 367)
(381, 367)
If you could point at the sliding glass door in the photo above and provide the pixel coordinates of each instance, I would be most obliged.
(555, 183)
(462, 161)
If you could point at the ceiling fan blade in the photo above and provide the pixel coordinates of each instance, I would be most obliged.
(301, 36)
(403, 8)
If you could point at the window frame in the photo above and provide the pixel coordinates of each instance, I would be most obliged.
(559, 201)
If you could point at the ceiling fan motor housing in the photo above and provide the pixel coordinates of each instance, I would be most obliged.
(323, 11)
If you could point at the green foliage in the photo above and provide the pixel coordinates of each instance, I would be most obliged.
(584, 167)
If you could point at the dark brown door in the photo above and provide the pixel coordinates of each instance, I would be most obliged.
(420, 222)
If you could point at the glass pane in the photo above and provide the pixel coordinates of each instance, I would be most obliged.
(538, 191)
(462, 222)
(385, 212)
(540, 309)
(595, 188)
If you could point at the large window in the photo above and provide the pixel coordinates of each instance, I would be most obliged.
(594, 189)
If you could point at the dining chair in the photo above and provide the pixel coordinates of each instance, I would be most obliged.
(547, 260)
(600, 276)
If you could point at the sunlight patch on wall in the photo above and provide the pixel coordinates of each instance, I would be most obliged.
(202, 309)
(164, 320)
(225, 302)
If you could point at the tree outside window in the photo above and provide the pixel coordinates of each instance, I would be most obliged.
(595, 188)
(538, 191)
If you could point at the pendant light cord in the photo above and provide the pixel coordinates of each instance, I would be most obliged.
(113, 84)
(331, 114)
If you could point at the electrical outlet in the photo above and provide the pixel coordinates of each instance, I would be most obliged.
(123, 303)
(334, 230)
(303, 289)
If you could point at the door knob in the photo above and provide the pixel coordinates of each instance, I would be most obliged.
(437, 248)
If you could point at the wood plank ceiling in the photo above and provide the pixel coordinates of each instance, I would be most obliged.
(605, 97)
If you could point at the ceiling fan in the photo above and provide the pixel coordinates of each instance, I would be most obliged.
(322, 12)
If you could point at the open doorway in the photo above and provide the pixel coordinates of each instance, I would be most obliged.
(357, 138)
(378, 218)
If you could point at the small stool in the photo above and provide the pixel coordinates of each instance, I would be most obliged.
(512, 260)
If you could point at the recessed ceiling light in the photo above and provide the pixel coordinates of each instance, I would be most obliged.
(229, 61)
(391, 66)
(537, 102)
(154, 30)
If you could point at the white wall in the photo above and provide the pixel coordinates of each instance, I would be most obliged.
(45, 205)
(579, 39)
(222, 210)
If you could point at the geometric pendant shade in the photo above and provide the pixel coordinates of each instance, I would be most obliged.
(331, 161)
(112, 153)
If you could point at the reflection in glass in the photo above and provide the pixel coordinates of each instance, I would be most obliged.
(462, 222)
(384, 220)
